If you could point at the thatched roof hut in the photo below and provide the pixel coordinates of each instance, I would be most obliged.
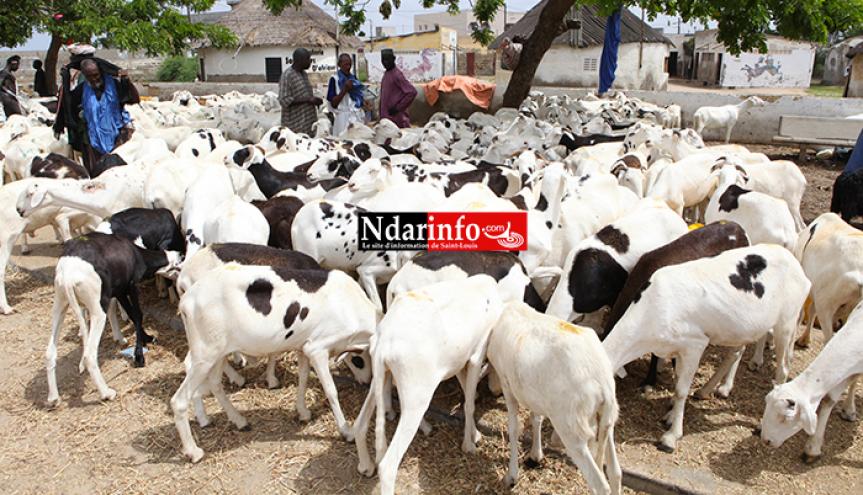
(307, 26)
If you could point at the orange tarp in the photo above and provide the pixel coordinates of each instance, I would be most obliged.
(478, 92)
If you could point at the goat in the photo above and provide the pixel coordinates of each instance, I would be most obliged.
(724, 117)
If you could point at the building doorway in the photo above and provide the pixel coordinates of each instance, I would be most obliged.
(273, 67)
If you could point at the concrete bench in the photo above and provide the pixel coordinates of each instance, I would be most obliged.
(812, 132)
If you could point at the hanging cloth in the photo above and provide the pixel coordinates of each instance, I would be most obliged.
(608, 62)
(104, 116)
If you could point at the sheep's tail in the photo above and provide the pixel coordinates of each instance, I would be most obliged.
(379, 374)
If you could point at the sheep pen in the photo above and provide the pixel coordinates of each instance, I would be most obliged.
(130, 445)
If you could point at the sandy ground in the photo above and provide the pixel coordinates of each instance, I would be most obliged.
(130, 445)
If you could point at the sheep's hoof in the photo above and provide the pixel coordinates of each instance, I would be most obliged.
(109, 394)
(391, 415)
(664, 448)
(204, 422)
(530, 463)
(139, 362)
(52, 403)
(801, 344)
(347, 435)
(753, 366)
(245, 427)
(305, 415)
(6, 310)
(195, 455)
(810, 459)
(756, 432)
(848, 416)
(509, 481)
(701, 395)
(367, 471)
(646, 389)
(148, 338)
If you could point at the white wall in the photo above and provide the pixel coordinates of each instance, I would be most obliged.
(566, 66)
(248, 64)
(425, 66)
(776, 70)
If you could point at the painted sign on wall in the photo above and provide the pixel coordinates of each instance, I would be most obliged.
(424, 66)
(791, 69)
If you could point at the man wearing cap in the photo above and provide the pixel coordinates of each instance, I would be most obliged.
(9, 86)
(397, 93)
(299, 103)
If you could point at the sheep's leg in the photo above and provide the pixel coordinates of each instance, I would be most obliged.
(578, 452)
(812, 449)
(233, 375)
(25, 244)
(728, 130)
(161, 289)
(757, 359)
(512, 431)
(63, 230)
(57, 313)
(5, 252)
(91, 348)
(368, 279)
(612, 466)
(388, 398)
(783, 336)
(114, 321)
(320, 360)
(415, 401)
(849, 408)
(649, 382)
(687, 365)
(825, 320)
(731, 358)
(471, 435)
(536, 455)
(361, 428)
(804, 339)
(725, 389)
(195, 378)
(214, 378)
(272, 380)
(303, 372)
(130, 304)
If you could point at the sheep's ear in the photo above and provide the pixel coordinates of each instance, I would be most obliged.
(618, 169)
(742, 173)
(808, 417)
(718, 165)
(37, 197)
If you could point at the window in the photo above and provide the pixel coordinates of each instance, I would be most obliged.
(590, 64)
(273, 68)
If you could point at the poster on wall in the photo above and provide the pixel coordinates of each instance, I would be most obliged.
(756, 70)
(424, 66)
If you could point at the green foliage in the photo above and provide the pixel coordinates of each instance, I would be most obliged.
(743, 24)
(180, 69)
(155, 26)
(826, 91)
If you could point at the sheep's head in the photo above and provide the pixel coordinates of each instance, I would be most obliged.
(31, 199)
(756, 101)
(368, 177)
(787, 411)
(246, 156)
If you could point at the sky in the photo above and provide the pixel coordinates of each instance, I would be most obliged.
(402, 19)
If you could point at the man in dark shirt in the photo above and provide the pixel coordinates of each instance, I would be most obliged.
(40, 83)
(93, 111)
(9, 86)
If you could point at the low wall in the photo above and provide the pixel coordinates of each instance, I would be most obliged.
(756, 125)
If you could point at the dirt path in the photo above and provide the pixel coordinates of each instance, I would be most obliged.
(130, 445)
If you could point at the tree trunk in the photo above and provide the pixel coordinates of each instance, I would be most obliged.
(534, 49)
(51, 63)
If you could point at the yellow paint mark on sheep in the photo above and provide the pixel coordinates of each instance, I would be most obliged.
(232, 266)
(417, 295)
(568, 327)
(696, 226)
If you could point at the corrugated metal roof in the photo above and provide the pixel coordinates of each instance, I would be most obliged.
(592, 28)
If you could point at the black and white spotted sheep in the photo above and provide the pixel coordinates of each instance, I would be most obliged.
(259, 310)
(597, 268)
(328, 232)
(729, 300)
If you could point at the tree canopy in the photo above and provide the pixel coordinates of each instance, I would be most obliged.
(154, 26)
(743, 24)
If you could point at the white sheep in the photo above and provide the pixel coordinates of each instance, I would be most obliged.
(724, 117)
(559, 371)
(731, 300)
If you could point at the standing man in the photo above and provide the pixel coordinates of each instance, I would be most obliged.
(299, 103)
(397, 93)
(96, 119)
(9, 86)
(40, 84)
(345, 94)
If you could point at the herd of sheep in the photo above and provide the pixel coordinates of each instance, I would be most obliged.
(641, 240)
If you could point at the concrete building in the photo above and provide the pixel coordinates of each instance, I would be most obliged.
(786, 64)
(422, 56)
(267, 42)
(679, 62)
(836, 63)
(573, 59)
(461, 24)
